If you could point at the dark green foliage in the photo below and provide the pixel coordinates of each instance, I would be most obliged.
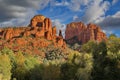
(100, 50)
(104, 67)
(45, 71)
(36, 73)
(78, 67)
(99, 55)
(68, 71)
(88, 47)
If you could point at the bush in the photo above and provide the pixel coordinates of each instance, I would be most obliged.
(88, 47)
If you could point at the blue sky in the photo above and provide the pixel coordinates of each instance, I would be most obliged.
(105, 13)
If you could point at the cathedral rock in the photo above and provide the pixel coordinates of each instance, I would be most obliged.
(39, 33)
(77, 32)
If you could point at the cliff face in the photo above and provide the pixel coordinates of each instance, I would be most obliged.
(39, 33)
(77, 32)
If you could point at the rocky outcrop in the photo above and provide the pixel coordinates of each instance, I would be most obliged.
(78, 32)
(39, 33)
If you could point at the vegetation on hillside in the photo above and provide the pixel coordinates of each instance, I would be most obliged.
(91, 61)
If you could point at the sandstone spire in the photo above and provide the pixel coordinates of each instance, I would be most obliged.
(60, 33)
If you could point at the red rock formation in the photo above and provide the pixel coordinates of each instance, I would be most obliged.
(54, 31)
(8, 34)
(73, 29)
(39, 33)
(48, 35)
(78, 32)
(21, 41)
(37, 21)
(60, 40)
(26, 33)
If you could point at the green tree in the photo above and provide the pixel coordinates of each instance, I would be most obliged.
(46, 71)
(10, 54)
(5, 67)
(51, 72)
(36, 73)
(102, 64)
(30, 63)
(88, 47)
(78, 67)
(19, 71)
(113, 44)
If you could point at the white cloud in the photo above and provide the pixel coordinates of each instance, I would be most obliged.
(96, 10)
(19, 13)
(11, 9)
(22, 20)
(108, 32)
(111, 22)
(59, 26)
(20, 9)
(63, 3)
(42, 3)
(114, 1)
(76, 18)
(75, 5)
